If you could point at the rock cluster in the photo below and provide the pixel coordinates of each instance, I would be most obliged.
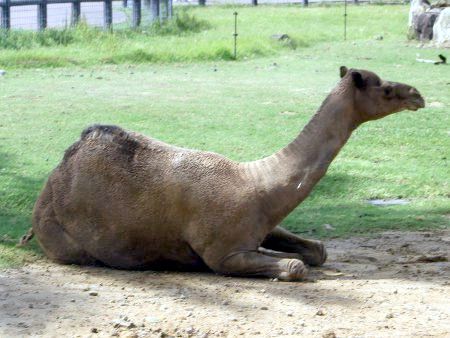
(430, 22)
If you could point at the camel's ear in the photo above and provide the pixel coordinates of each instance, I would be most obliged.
(343, 70)
(358, 80)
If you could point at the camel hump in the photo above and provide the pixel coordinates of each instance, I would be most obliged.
(101, 130)
(127, 143)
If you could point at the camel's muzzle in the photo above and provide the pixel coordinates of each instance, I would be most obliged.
(415, 101)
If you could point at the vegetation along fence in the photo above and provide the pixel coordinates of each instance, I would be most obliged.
(40, 14)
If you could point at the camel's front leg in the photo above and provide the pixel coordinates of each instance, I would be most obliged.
(279, 254)
(253, 263)
(311, 252)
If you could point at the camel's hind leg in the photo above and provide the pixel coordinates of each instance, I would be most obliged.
(311, 252)
(55, 242)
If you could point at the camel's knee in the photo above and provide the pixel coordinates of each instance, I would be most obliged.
(55, 242)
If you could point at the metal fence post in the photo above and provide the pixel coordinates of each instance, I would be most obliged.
(107, 6)
(136, 13)
(154, 10)
(125, 3)
(202, 2)
(6, 15)
(163, 12)
(76, 11)
(255, 2)
(170, 8)
(305, 3)
(42, 15)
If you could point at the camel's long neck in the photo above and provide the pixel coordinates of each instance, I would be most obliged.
(286, 178)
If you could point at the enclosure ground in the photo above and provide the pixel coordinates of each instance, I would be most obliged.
(392, 284)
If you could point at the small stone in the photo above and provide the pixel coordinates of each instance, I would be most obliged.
(152, 320)
(123, 323)
(2, 72)
(379, 37)
(389, 316)
(225, 302)
(290, 313)
(329, 227)
(94, 330)
(190, 330)
(30, 306)
(130, 335)
(329, 334)
(280, 37)
(264, 308)
(93, 293)
(320, 313)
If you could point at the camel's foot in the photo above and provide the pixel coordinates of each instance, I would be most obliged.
(296, 270)
(253, 263)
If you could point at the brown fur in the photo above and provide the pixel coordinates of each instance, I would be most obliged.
(129, 201)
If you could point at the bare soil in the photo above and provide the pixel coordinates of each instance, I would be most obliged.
(392, 284)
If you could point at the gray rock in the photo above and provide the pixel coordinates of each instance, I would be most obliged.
(441, 29)
(417, 7)
(280, 37)
(423, 25)
(2, 72)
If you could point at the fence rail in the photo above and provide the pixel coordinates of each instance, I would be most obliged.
(155, 8)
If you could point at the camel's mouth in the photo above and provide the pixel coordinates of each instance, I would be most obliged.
(416, 103)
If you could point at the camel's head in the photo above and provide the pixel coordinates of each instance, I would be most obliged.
(375, 98)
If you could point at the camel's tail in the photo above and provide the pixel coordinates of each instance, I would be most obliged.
(27, 237)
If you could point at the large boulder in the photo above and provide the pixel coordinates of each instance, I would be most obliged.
(417, 7)
(441, 29)
(423, 25)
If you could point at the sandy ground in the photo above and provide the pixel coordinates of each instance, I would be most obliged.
(395, 284)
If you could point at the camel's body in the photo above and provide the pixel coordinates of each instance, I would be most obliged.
(128, 201)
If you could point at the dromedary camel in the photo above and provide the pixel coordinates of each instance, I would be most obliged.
(128, 201)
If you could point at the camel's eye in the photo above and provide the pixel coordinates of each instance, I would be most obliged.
(387, 91)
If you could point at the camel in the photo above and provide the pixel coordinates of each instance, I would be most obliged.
(128, 201)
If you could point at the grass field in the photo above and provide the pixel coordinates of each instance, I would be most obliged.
(202, 34)
(244, 110)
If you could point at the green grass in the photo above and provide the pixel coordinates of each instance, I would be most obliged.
(201, 34)
(236, 108)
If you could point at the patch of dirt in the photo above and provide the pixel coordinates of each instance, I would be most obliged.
(394, 284)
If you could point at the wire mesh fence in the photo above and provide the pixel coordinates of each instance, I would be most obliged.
(40, 14)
